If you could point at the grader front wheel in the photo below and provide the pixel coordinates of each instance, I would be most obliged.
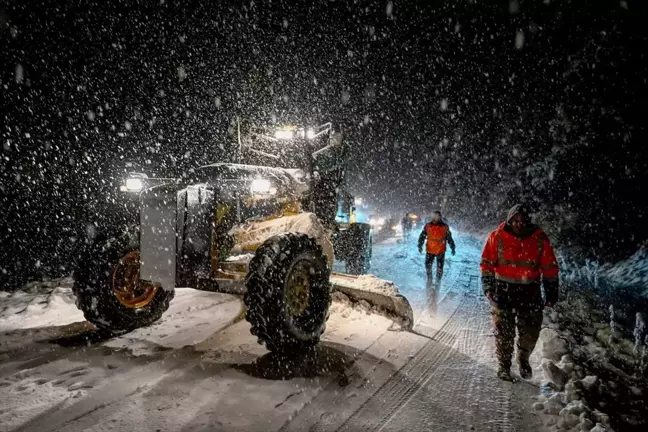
(288, 293)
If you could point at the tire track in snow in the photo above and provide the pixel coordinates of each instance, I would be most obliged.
(395, 393)
(100, 402)
(327, 411)
(449, 385)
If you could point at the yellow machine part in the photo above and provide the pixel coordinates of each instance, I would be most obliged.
(249, 237)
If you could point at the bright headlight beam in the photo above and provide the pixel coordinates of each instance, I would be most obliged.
(261, 187)
(134, 184)
(283, 134)
(310, 133)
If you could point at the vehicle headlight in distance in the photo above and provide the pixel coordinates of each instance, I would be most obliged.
(262, 186)
(134, 184)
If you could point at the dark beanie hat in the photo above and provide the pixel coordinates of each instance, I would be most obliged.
(517, 208)
(436, 213)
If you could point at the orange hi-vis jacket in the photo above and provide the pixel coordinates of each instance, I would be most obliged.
(516, 260)
(437, 236)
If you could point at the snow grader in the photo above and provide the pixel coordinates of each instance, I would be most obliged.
(263, 232)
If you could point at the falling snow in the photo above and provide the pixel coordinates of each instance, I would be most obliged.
(463, 107)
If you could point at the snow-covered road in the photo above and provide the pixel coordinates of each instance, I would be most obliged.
(200, 369)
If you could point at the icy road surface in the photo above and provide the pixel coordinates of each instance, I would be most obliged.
(200, 369)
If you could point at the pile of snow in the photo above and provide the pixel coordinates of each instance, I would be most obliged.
(552, 345)
(352, 310)
(39, 304)
(49, 308)
(566, 408)
(575, 348)
(369, 283)
(243, 258)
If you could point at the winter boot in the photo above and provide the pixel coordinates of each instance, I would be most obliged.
(523, 364)
(504, 374)
(525, 368)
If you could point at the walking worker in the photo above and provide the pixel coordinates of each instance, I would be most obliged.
(438, 235)
(516, 260)
(406, 223)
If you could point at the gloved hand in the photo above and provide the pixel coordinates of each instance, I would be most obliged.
(420, 248)
(453, 252)
(491, 298)
(551, 293)
(488, 285)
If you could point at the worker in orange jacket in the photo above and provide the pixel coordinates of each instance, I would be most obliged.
(516, 260)
(438, 235)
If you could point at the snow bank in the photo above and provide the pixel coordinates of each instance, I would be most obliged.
(577, 352)
(39, 304)
(552, 345)
(49, 307)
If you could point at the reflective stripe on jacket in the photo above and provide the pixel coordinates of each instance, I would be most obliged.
(519, 260)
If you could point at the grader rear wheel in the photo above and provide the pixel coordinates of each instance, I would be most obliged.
(128, 288)
(108, 289)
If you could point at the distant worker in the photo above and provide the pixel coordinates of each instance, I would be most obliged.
(438, 235)
(406, 223)
(518, 257)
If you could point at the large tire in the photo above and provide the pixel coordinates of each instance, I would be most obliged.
(101, 265)
(282, 318)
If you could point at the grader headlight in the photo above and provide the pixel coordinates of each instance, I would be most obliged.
(261, 186)
(134, 183)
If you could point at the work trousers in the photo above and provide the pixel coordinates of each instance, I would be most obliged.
(518, 307)
(429, 261)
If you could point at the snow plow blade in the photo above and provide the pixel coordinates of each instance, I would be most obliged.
(379, 293)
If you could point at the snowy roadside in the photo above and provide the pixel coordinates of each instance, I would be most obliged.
(57, 373)
(39, 304)
(583, 385)
(196, 353)
(594, 366)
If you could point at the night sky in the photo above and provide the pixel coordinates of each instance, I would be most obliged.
(465, 106)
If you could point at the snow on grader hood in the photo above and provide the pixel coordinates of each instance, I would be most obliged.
(238, 229)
